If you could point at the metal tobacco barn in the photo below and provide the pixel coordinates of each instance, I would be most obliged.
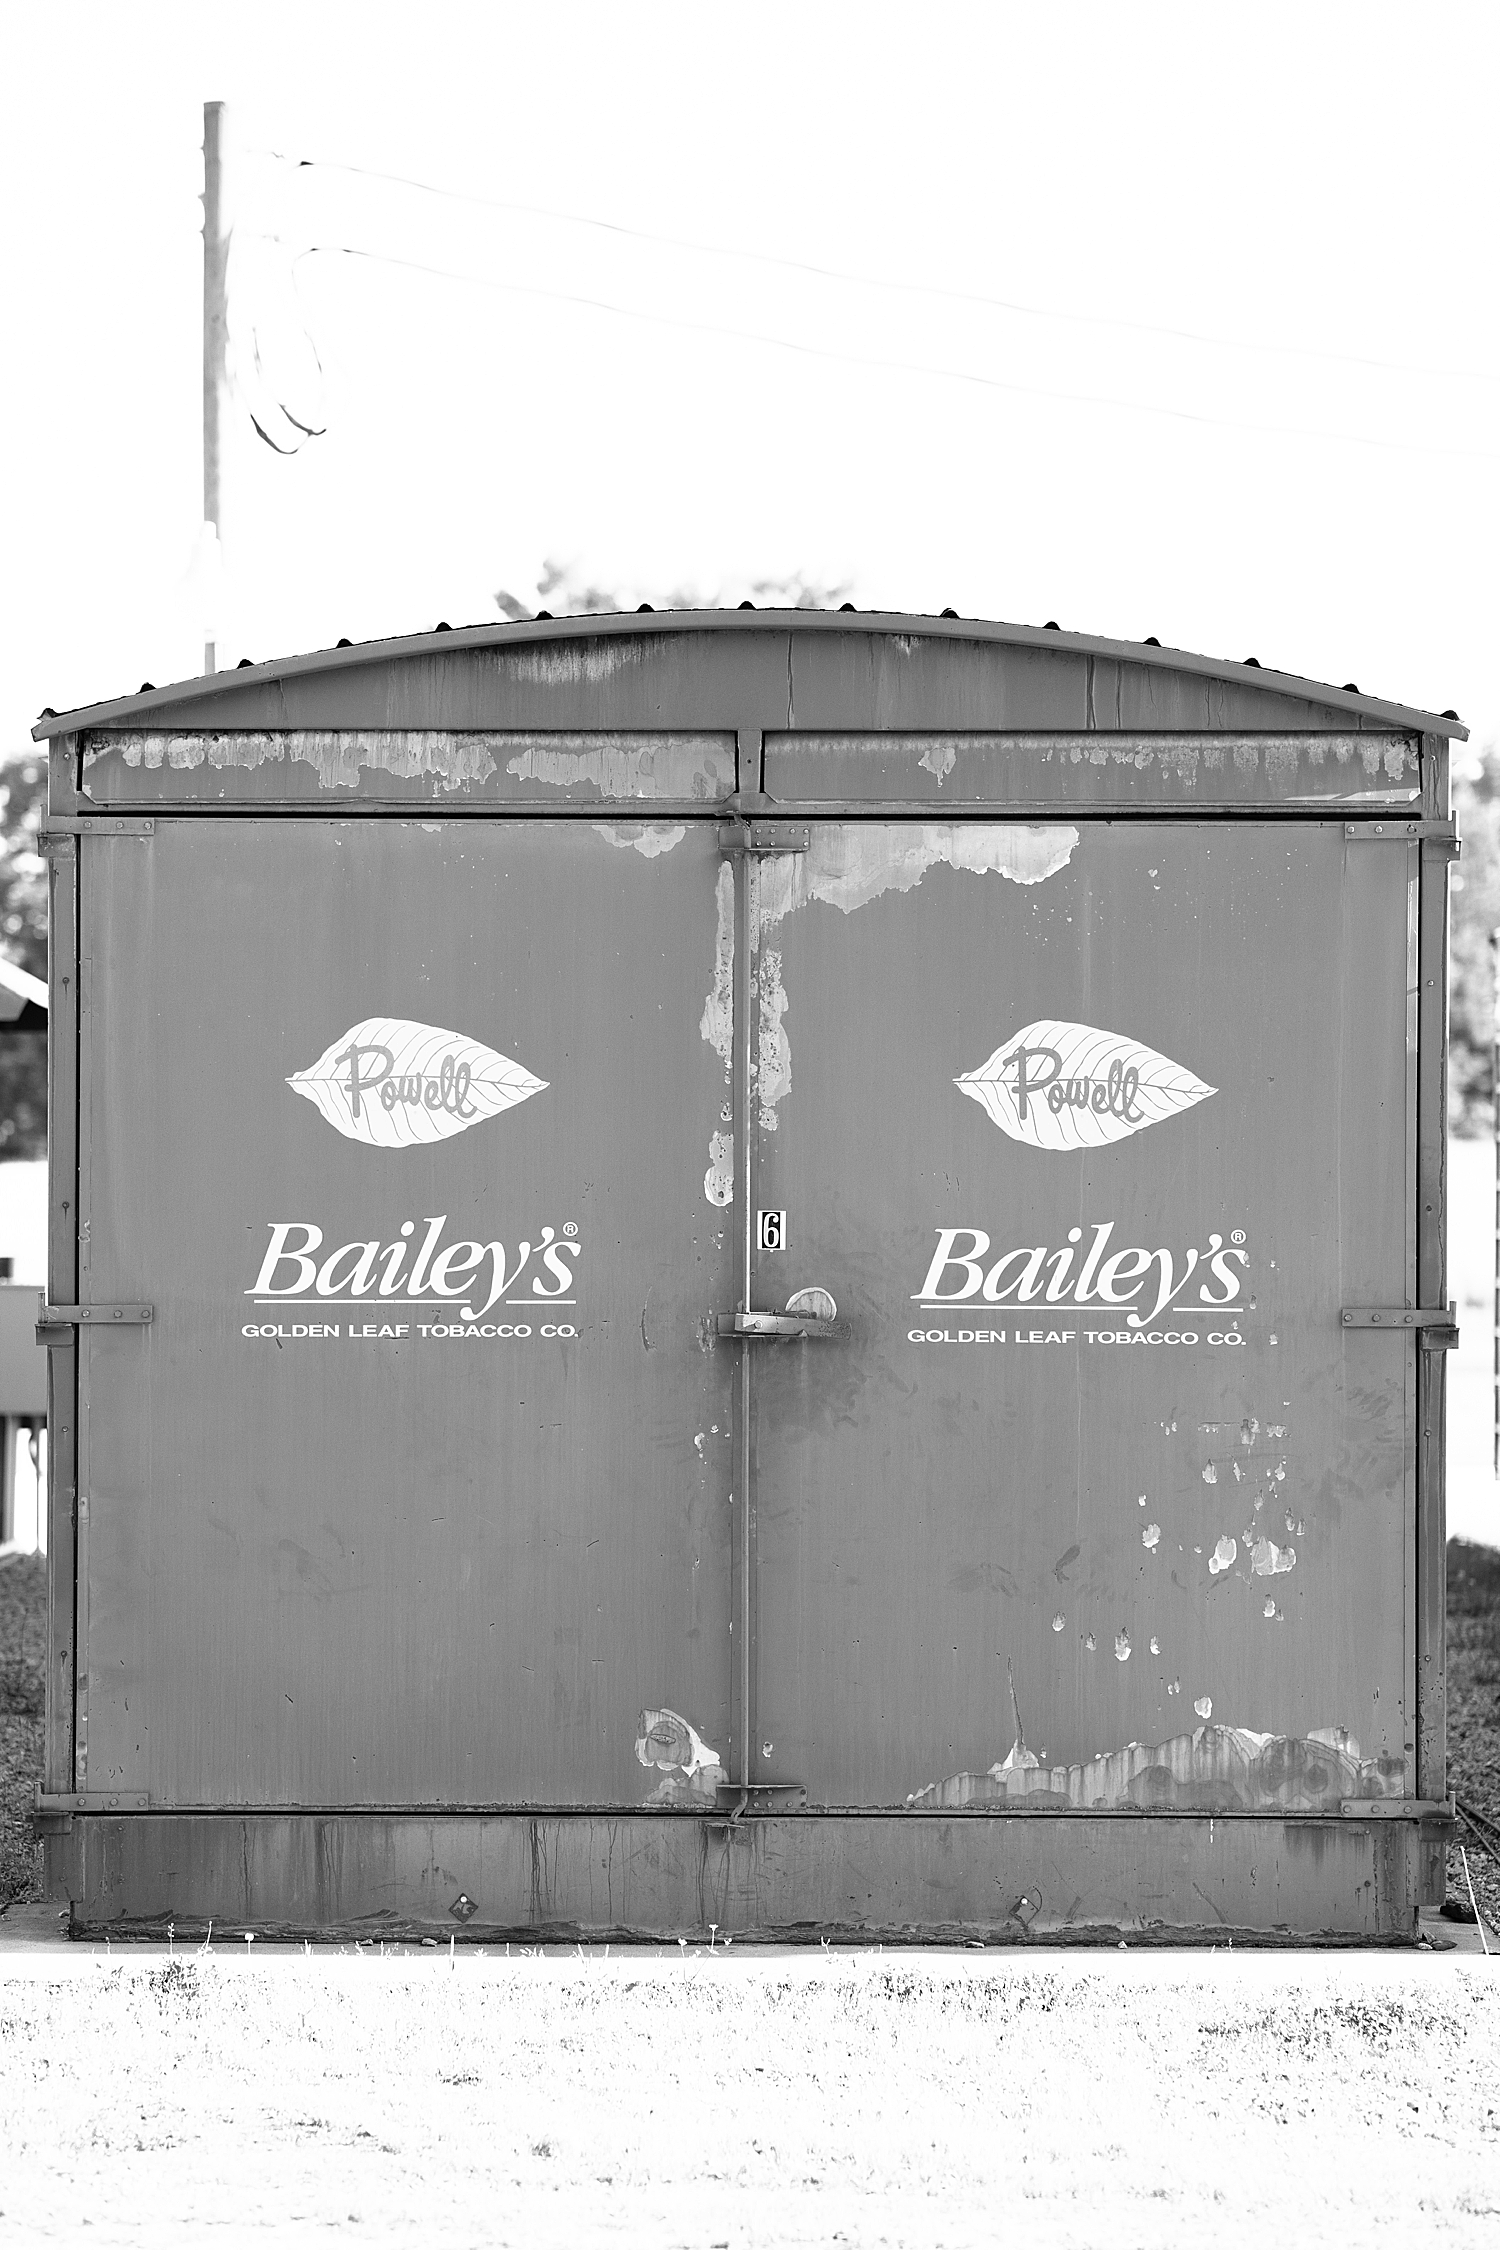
(771, 1269)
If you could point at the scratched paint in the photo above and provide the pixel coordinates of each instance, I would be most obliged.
(848, 865)
(1214, 1768)
(774, 1074)
(692, 1772)
(1210, 768)
(650, 840)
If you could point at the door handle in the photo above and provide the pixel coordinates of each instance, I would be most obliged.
(809, 1313)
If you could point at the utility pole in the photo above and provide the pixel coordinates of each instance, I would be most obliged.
(216, 233)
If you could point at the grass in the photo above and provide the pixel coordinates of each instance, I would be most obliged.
(1474, 1708)
(23, 1661)
(857, 2100)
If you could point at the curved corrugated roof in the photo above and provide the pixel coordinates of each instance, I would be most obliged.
(159, 703)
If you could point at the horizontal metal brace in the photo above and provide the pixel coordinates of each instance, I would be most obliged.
(769, 1327)
(63, 825)
(766, 836)
(1437, 1327)
(1439, 838)
(762, 1792)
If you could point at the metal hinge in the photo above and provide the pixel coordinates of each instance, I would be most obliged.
(60, 826)
(55, 1323)
(54, 1814)
(1438, 1327)
(1397, 1808)
(1439, 839)
(766, 836)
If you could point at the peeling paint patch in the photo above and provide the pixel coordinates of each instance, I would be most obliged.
(716, 1024)
(1204, 1706)
(1058, 1622)
(698, 766)
(1209, 1769)
(1155, 1646)
(718, 1180)
(692, 1772)
(1223, 1555)
(1210, 1474)
(939, 758)
(1267, 1560)
(1151, 1537)
(638, 836)
(774, 1079)
(848, 866)
(626, 765)
(1122, 1648)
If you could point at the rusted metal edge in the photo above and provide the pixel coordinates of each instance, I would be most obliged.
(664, 624)
(1002, 1935)
(659, 811)
(136, 1805)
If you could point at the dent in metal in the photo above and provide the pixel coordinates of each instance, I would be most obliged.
(847, 866)
(692, 1773)
(1212, 1769)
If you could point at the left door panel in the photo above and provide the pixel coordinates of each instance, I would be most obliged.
(416, 1490)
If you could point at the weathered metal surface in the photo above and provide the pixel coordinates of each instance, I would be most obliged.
(1098, 1424)
(693, 1078)
(62, 1275)
(412, 766)
(1011, 1879)
(348, 1539)
(1430, 1530)
(790, 668)
(1093, 771)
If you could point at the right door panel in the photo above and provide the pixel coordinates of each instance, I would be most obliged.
(1091, 1132)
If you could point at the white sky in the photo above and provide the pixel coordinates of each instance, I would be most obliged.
(1311, 187)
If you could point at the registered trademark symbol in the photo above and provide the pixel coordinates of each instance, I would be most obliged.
(1237, 1236)
(570, 1226)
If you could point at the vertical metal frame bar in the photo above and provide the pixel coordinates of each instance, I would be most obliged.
(1431, 1573)
(750, 752)
(62, 1276)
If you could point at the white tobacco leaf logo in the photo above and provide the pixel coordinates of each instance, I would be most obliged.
(394, 1084)
(1066, 1085)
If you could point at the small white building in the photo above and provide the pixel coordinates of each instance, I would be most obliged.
(23, 1368)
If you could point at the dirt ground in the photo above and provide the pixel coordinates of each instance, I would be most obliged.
(1473, 1714)
(868, 2101)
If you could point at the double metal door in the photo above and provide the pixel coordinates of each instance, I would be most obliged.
(732, 1315)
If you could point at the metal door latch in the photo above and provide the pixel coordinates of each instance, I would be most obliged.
(1439, 839)
(56, 1323)
(1437, 1327)
(770, 1327)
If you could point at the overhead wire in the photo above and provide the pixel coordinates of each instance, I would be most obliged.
(891, 365)
(890, 283)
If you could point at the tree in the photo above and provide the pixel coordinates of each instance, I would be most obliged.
(1475, 912)
(563, 591)
(23, 939)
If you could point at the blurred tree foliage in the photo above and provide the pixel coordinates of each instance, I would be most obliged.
(23, 939)
(1475, 913)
